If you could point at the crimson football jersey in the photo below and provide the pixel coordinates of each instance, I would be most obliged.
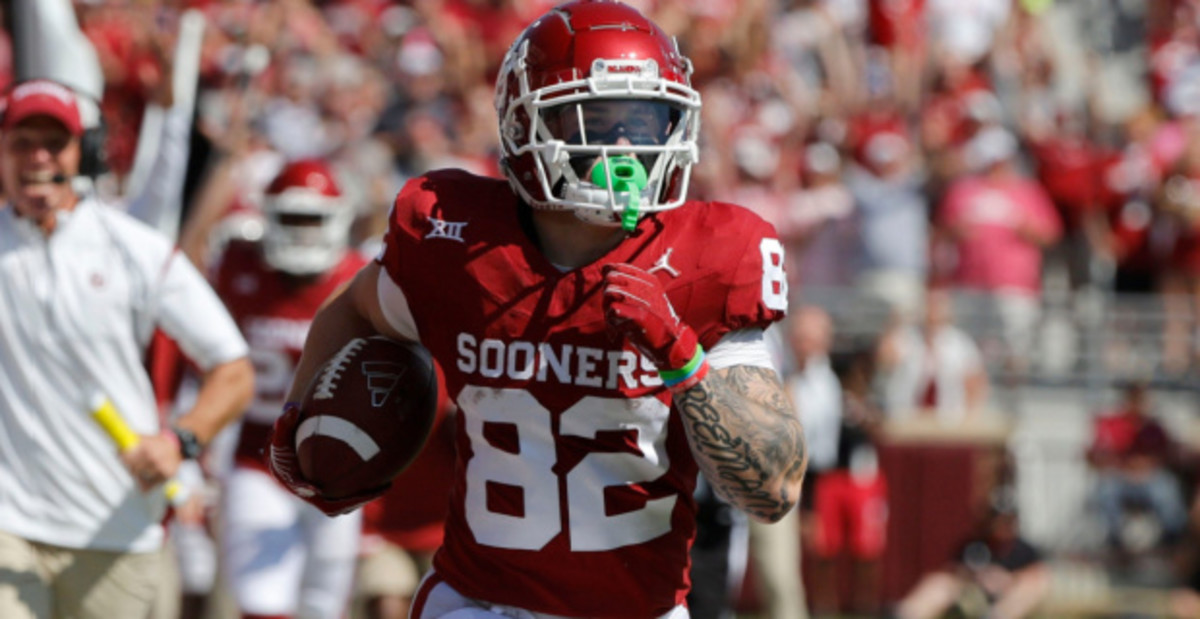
(573, 490)
(274, 315)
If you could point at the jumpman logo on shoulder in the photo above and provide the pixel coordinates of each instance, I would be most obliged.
(664, 264)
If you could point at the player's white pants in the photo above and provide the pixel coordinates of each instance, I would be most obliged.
(436, 599)
(197, 557)
(283, 556)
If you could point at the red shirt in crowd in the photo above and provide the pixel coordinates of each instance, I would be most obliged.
(1067, 167)
(897, 23)
(1126, 437)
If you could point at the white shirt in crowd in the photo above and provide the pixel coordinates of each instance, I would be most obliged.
(949, 360)
(77, 311)
(817, 393)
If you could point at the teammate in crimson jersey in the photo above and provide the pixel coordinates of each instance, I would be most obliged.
(285, 558)
(600, 334)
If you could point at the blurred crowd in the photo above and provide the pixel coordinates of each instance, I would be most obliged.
(974, 145)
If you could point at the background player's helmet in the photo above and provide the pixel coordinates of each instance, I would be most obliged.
(308, 222)
(560, 87)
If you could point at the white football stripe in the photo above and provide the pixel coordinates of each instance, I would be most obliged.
(336, 427)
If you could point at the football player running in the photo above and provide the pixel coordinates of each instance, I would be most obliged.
(600, 333)
(283, 557)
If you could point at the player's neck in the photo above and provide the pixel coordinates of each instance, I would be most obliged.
(568, 242)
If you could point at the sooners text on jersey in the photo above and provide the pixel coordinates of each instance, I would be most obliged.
(574, 484)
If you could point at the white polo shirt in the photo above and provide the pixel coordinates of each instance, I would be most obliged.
(77, 311)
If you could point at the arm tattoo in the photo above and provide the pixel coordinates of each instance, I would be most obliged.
(747, 438)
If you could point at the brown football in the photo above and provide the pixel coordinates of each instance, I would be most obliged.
(365, 415)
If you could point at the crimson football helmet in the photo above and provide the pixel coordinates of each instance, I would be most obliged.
(307, 221)
(590, 83)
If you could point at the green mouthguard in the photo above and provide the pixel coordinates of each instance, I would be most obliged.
(628, 175)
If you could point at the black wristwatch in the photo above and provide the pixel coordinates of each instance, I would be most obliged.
(189, 445)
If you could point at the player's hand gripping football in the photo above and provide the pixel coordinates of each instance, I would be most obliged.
(636, 305)
(284, 466)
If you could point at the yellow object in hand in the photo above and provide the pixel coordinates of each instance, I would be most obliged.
(106, 414)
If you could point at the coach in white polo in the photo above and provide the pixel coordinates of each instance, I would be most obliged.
(82, 288)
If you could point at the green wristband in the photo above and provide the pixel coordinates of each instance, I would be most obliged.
(674, 377)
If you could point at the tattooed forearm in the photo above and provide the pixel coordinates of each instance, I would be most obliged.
(747, 439)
